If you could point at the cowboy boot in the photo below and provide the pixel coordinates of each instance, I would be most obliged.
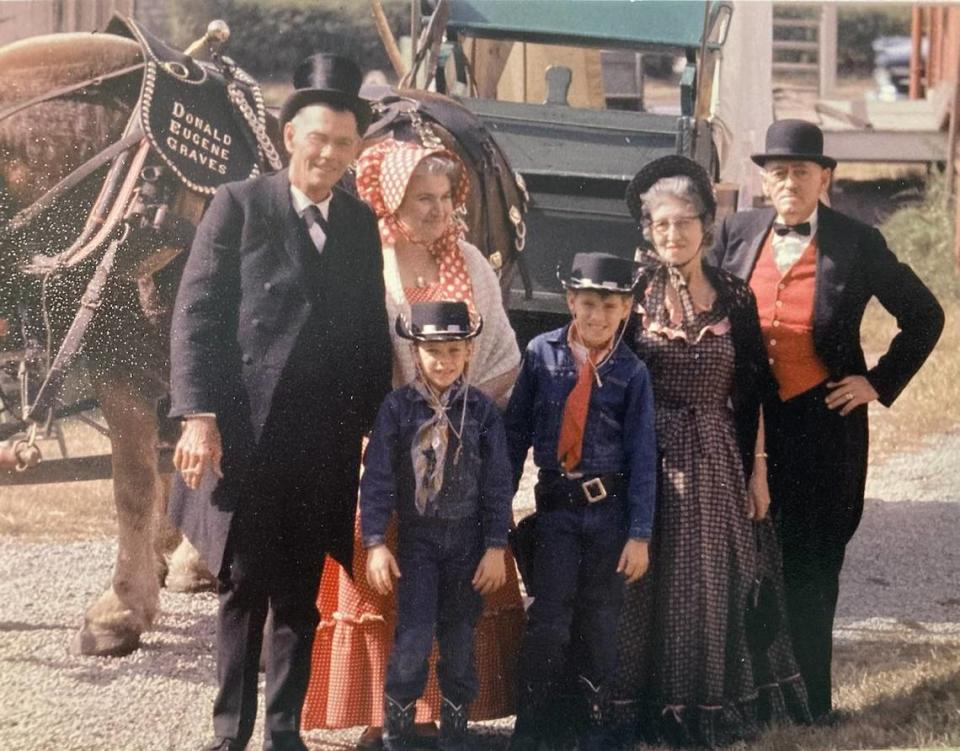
(397, 723)
(529, 731)
(453, 726)
(623, 720)
(596, 734)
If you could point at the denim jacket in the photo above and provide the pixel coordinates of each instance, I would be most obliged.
(477, 486)
(619, 435)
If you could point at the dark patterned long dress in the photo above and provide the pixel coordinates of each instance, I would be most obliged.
(687, 668)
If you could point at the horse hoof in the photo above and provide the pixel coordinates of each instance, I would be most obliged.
(189, 582)
(90, 643)
(187, 572)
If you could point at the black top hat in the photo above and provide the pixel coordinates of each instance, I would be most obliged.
(438, 322)
(600, 272)
(328, 79)
(796, 140)
(673, 165)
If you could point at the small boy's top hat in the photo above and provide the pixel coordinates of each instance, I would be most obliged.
(438, 322)
(672, 165)
(795, 140)
(328, 79)
(601, 272)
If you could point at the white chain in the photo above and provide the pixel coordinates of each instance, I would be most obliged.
(257, 125)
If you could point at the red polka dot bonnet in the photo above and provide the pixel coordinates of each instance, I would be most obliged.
(383, 174)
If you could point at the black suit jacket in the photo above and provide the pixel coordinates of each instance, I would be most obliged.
(252, 286)
(854, 264)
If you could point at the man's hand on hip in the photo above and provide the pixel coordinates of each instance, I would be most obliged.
(849, 393)
(198, 450)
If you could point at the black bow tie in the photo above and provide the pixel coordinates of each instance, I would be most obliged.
(799, 229)
(312, 215)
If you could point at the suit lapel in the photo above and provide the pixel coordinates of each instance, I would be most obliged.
(746, 259)
(335, 221)
(753, 249)
(298, 247)
(833, 270)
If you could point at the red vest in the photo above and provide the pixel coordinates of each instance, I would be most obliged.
(785, 304)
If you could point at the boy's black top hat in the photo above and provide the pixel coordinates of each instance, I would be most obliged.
(328, 79)
(796, 140)
(672, 165)
(438, 322)
(601, 272)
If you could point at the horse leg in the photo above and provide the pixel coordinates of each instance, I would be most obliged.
(113, 624)
(166, 537)
(180, 565)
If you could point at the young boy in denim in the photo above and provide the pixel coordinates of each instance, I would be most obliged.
(438, 458)
(584, 402)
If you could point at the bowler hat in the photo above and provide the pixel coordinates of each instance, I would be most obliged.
(328, 79)
(446, 321)
(601, 272)
(672, 165)
(795, 140)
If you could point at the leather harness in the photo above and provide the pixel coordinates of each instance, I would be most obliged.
(129, 205)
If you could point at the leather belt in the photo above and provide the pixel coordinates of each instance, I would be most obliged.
(555, 490)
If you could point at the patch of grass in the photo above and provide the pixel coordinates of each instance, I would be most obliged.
(922, 236)
(891, 693)
(65, 511)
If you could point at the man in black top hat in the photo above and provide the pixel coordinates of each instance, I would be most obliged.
(280, 356)
(813, 271)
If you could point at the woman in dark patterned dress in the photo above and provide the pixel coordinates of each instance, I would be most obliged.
(702, 660)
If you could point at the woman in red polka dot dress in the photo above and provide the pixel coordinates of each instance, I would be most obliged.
(418, 194)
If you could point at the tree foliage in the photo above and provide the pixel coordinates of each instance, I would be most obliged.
(268, 38)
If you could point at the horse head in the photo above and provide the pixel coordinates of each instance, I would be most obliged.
(83, 161)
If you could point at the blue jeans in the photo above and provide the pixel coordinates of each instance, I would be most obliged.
(437, 560)
(573, 618)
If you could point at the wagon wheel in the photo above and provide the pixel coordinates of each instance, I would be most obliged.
(20, 373)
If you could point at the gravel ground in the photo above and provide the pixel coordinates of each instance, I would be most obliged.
(900, 577)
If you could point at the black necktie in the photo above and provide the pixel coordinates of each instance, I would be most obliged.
(312, 215)
(799, 229)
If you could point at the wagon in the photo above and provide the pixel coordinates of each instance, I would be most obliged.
(576, 161)
(573, 162)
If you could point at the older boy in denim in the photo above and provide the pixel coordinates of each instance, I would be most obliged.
(595, 493)
(438, 458)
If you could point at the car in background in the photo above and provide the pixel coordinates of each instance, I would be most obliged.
(891, 66)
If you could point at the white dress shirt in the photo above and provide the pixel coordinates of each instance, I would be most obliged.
(300, 203)
(788, 248)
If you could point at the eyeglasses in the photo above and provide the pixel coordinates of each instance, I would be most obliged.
(682, 224)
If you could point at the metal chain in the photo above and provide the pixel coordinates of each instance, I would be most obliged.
(257, 125)
(428, 136)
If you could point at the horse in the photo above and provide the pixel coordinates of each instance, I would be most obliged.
(50, 129)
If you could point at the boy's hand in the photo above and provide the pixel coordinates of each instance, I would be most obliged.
(491, 572)
(634, 560)
(380, 566)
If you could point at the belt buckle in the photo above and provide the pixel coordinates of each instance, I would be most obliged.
(593, 490)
